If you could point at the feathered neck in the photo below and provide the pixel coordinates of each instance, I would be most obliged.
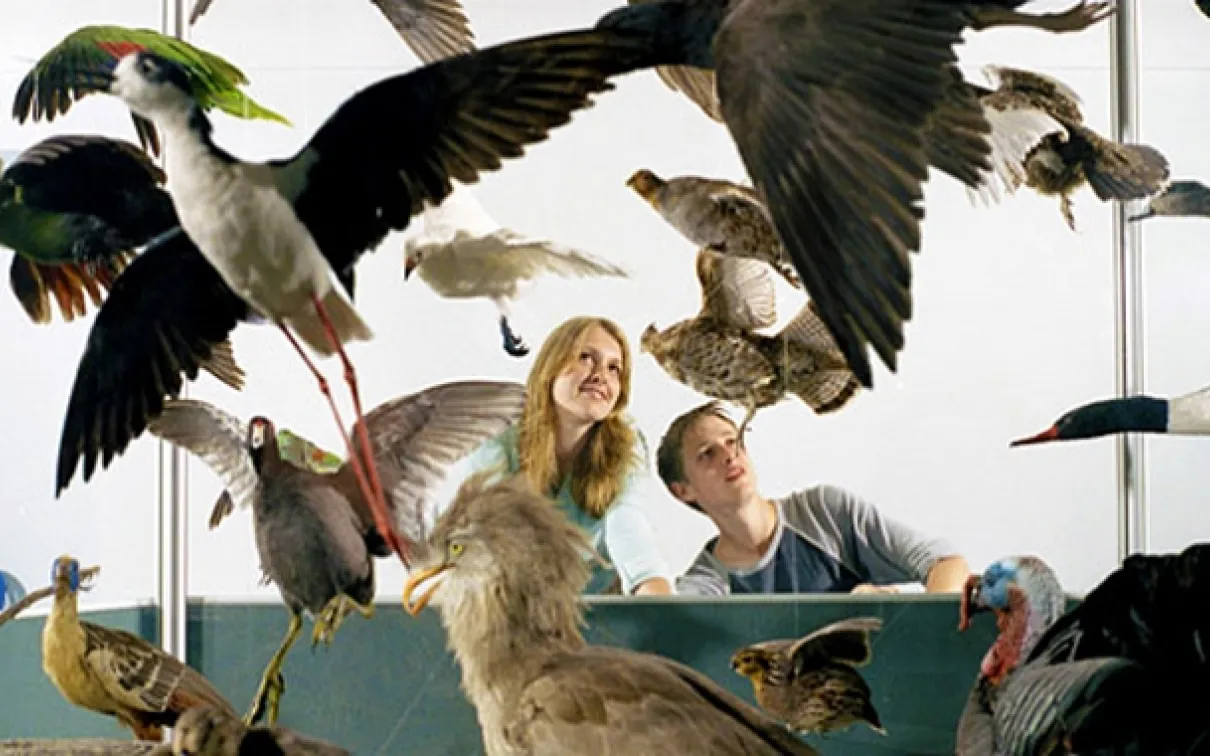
(1021, 625)
(65, 609)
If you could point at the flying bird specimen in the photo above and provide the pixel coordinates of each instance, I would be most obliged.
(718, 352)
(829, 103)
(433, 29)
(1186, 198)
(207, 731)
(114, 672)
(812, 683)
(725, 217)
(1072, 154)
(315, 533)
(464, 253)
(74, 208)
(81, 64)
(505, 570)
(1186, 415)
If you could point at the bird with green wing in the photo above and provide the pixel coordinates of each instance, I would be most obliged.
(82, 64)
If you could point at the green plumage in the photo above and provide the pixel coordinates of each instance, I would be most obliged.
(82, 62)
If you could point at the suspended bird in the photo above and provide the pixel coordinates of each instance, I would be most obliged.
(1186, 415)
(81, 63)
(74, 208)
(829, 103)
(315, 533)
(1187, 198)
(464, 253)
(433, 29)
(505, 570)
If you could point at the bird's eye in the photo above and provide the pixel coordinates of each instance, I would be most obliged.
(456, 548)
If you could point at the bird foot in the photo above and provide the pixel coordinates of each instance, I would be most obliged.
(1078, 18)
(267, 700)
(513, 344)
(333, 615)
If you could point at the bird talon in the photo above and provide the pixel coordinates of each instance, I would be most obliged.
(267, 700)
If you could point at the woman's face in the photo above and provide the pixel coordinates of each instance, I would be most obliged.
(587, 389)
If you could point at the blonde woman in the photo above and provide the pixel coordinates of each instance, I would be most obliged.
(574, 444)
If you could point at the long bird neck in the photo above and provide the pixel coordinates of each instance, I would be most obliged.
(187, 137)
(63, 621)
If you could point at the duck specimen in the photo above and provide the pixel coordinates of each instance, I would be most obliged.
(81, 63)
(505, 570)
(1186, 198)
(207, 731)
(433, 29)
(73, 208)
(812, 683)
(464, 253)
(1186, 415)
(114, 672)
(315, 533)
(1073, 154)
(723, 216)
(718, 352)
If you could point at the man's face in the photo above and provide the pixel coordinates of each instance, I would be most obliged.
(718, 472)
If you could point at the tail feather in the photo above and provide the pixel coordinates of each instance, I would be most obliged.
(827, 390)
(222, 365)
(347, 322)
(1126, 171)
(34, 283)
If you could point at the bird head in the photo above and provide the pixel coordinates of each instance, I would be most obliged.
(1179, 198)
(150, 84)
(66, 576)
(646, 184)
(751, 662)
(1136, 413)
(649, 340)
(500, 551)
(261, 437)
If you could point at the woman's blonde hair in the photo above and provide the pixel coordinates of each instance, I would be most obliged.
(600, 470)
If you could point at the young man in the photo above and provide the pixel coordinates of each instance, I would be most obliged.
(818, 540)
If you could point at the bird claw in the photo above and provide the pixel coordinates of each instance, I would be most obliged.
(1080, 17)
(267, 700)
(333, 615)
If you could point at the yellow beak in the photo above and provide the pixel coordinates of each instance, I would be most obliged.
(427, 581)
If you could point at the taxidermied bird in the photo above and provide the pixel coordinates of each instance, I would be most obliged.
(1073, 154)
(1185, 415)
(74, 208)
(726, 217)
(812, 683)
(433, 29)
(464, 253)
(114, 672)
(286, 225)
(168, 315)
(1186, 198)
(718, 353)
(505, 569)
(838, 153)
(207, 731)
(81, 63)
(315, 533)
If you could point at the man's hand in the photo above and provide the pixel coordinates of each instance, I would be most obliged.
(871, 588)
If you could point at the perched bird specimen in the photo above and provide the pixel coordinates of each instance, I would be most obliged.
(113, 672)
(1073, 154)
(74, 208)
(433, 29)
(1186, 415)
(505, 569)
(207, 731)
(722, 216)
(1186, 198)
(315, 534)
(464, 253)
(718, 352)
(285, 226)
(168, 315)
(81, 63)
(812, 683)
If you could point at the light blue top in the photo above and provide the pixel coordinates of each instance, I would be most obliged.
(623, 536)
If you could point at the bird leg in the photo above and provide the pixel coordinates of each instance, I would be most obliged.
(1068, 211)
(514, 344)
(377, 501)
(333, 614)
(1076, 19)
(750, 410)
(272, 684)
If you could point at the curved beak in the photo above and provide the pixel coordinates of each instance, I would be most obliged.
(409, 264)
(424, 583)
(970, 602)
(1050, 434)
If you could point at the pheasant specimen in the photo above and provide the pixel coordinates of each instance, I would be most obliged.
(718, 353)
(812, 683)
(315, 534)
(1073, 154)
(722, 216)
(433, 29)
(1179, 199)
(505, 569)
(82, 64)
(464, 253)
(1185, 415)
(114, 672)
(74, 208)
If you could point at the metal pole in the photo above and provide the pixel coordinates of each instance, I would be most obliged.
(174, 533)
(1128, 280)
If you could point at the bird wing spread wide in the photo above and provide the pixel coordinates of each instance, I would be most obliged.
(737, 291)
(434, 29)
(846, 641)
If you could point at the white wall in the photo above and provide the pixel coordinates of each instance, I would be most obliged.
(1013, 312)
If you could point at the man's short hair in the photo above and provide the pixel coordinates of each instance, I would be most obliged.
(670, 456)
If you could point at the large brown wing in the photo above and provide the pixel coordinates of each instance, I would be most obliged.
(846, 642)
(737, 291)
(434, 29)
(827, 102)
(613, 701)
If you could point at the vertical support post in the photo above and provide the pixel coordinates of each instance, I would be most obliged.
(1128, 280)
